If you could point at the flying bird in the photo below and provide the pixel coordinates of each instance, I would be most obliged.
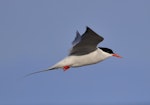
(84, 52)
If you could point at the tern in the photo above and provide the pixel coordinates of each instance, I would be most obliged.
(84, 52)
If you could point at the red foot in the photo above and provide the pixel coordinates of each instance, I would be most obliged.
(66, 68)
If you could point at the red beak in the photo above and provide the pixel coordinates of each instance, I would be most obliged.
(116, 55)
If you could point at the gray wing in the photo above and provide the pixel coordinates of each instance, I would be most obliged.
(88, 43)
(77, 39)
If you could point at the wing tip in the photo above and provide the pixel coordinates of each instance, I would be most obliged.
(88, 29)
(77, 38)
(77, 33)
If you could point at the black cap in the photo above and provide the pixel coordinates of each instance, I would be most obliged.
(107, 50)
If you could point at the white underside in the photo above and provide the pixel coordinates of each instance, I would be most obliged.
(88, 59)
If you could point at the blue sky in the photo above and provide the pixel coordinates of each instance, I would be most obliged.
(35, 34)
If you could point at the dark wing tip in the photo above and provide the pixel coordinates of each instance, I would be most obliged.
(88, 29)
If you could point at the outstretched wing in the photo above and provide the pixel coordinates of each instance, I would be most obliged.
(77, 39)
(88, 43)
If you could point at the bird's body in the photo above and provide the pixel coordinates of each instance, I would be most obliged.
(84, 52)
(77, 60)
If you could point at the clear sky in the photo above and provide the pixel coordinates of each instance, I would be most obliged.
(35, 34)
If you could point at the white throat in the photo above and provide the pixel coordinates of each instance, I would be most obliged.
(102, 54)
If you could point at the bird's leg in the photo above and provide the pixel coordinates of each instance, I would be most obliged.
(66, 68)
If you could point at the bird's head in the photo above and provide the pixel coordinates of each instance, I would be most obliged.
(109, 51)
